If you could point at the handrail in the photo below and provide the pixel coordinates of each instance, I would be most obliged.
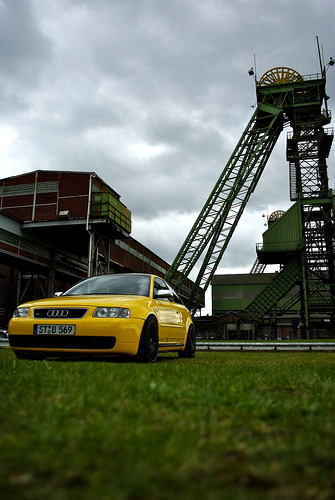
(266, 346)
(279, 246)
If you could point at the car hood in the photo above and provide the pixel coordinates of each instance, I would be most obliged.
(89, 300)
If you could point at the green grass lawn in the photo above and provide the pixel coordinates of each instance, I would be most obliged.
(224, 425)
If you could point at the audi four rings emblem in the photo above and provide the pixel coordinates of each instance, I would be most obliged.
(57, 313)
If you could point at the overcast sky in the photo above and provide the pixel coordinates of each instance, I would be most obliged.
(153, 95)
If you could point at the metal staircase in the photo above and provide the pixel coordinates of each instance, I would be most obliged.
(277, 289)
(307, 149)
(257, 267)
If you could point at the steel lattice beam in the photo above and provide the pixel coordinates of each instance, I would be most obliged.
(224, 207)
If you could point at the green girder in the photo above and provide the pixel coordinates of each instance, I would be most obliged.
(217, 220)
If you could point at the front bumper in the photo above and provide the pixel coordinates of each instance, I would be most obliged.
(93, 336)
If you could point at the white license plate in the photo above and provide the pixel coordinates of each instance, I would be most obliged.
(54, 329)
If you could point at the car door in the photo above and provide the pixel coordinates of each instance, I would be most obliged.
(169, 314)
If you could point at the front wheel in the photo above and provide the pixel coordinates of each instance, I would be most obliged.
(148, 346)
(190, 347)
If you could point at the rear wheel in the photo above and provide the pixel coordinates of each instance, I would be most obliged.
(190, 347)
(148, 346)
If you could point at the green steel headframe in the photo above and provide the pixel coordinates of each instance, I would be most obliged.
(283, 96)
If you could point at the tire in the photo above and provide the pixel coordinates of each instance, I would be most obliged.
(148, 346)
(190, 347)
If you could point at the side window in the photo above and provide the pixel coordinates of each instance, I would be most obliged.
(159, 285)
(176, 297)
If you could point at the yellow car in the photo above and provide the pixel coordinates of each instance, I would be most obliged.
(116, 314)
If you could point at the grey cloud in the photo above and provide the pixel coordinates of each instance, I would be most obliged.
(23, 47)
(153, 96)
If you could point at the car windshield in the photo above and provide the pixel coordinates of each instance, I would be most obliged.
(113, 284)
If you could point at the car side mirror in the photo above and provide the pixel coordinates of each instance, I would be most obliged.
(164, 294)
(58, 294)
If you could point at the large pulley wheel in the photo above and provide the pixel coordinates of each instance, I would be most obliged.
(276, 215)
(279, 76)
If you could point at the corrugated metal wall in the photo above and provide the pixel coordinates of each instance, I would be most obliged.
(285, 233)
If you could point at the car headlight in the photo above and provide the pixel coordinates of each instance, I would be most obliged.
(21, 312)
(111, 312)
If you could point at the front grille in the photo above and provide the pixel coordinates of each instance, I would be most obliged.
(61, 342)
(60, 313)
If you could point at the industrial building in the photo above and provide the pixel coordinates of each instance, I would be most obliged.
(58, 227)
(268, 305)
(232, 294)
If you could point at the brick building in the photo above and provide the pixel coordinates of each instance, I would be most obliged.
(57, 227)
